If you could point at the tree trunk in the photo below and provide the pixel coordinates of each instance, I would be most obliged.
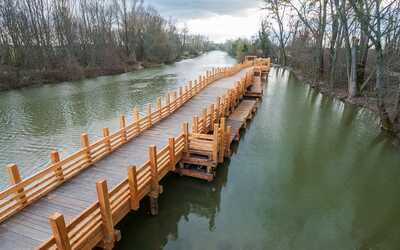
(380, 88)
(353, 92)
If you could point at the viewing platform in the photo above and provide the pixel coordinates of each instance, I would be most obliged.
(75, 202)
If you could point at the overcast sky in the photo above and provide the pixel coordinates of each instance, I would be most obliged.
(218, 19)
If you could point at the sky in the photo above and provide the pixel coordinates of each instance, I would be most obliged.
(220, 20)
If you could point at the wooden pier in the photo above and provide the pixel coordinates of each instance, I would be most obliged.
(75, 202)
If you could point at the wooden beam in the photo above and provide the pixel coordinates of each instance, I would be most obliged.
(133, 187)
(155, 187)
(106, 215)
(122, 126)
(171, 151)
(85, 146)
(55, 159)
(195, 124)
(185, 130)
(107, 142)
(57, 224)
(15, 178)
(149, 115)
(136, 118)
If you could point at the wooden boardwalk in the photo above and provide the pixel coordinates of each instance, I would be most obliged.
(29, 227)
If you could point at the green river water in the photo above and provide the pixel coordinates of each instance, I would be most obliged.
(309, 173)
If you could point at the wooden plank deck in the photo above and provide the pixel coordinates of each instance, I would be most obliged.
(238, 119)
(29, 228)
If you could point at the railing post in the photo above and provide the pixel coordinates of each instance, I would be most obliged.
(136, 118)
(195, 124)
(204, 121)
(215, 145)
(185, 129)
(106, 135)
(122, 126)
(175, 102)
(85, 145)
(55, 159)
(211, 126)
(180, 96)
(217, 108)
(190, 89)
(149, 115)
(228, 141)
(168, 103)
(159, 107)
(195, 87)
(200, 83)
(133, 187)
(15, 178)
(171, 150)
(222, 146)
(106, 215)
(57, 224)
(186, 94)
(155, 187)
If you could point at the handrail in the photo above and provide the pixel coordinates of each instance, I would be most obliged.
(24, 192)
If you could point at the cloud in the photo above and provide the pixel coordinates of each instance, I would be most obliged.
(218, 19)
(189, 9)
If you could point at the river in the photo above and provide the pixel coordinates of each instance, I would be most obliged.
(310, 172)
(36, 120)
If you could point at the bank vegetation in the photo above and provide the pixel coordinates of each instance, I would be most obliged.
(346, 48)
(52, 41)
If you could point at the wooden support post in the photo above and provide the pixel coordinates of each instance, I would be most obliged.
(168, 103)
(222, 146)
(85, 145)
(175, 102)
(195, 87)
(149, 115)
(106, 216)
(205, 83)
(57, 224)
(195, 124)
(136, 118)
(228, 141)
(190, 89)
(217, 108)
(55, 159)
(215, 145)
(204, 121)
(159, 107)
(185, 130)
(133, 187)
(122, 126)
(200, 84)
(211, 126)
(186, 94)
(180, 96)
(155, 187)
(237, 134)
(15, 178)
(107, 142)
(171, 151)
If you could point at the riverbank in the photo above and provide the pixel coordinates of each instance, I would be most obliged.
(15, 78)
(367, 100)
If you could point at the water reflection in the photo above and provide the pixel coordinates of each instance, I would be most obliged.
(183, 201)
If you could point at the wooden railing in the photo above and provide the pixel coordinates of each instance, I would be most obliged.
(24, 192)
(96, 224)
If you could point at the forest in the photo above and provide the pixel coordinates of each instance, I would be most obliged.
(50, 41)
(346, 48)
